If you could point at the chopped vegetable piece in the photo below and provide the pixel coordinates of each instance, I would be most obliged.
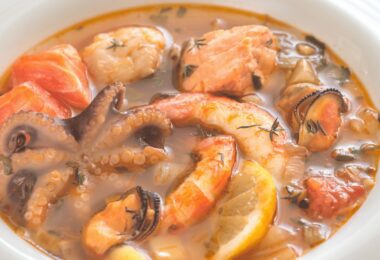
(328, 196)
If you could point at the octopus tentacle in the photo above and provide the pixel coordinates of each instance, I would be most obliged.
(134, 120)
(87, 125)
(47, 190)
(131, 159)
(34, 130)
(38, 159)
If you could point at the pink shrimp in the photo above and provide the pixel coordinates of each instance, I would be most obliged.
(256, 131)
(196, 195)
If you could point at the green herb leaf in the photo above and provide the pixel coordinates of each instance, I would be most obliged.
(115, 43)
(221, 157)
(197, 44)
(165, 9)
(247, 126)
(188, 70)
(311, 126)
(321, 129)
(181, 11)
(256, 82)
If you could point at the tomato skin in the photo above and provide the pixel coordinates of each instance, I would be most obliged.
(58, 70)
(30, 97)
(328, 196)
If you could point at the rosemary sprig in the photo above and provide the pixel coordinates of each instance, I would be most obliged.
(188, 70)
(115, 43)
(197, 44)
(273, 130)
(247, 126)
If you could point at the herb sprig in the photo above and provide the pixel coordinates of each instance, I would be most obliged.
(188, 70)
(115, 43)
(273, 130)
(197, 44)
(315, 127)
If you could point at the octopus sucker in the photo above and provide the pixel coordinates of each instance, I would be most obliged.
(131, 159)
(314, 112)
(149, 124)
(46, 191)
(33, 130)
(132, 217)
(88, 124)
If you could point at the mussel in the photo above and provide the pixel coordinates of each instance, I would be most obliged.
(314, 112)
(131, 218)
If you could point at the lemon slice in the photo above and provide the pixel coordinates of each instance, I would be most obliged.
(246, 213)
(126, 252)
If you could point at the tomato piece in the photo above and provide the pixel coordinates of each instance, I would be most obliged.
(328, 196)
(30, 97)
(59, 70)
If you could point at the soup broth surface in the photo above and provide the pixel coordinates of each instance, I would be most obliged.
(60, 235)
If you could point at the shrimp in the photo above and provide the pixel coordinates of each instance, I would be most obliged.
(132, 217)
(58, 70)
(126, 55)
(234, 62)
(30, 97)
(196, 195)
(256, 131)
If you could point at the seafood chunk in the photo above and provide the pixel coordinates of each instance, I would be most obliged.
(314, 112)
(30, 97)
(196, 195)
(131, 218)
(31, 193)
(329, 196)
(29, 130)
(257, 132)
(46, 191)
(58, 70)
(234, 62)
(127, 54)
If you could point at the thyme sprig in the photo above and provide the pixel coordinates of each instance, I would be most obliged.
(197, 44)
(273, 130)
(115, 43)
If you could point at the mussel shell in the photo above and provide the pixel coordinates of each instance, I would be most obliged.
(145, 224)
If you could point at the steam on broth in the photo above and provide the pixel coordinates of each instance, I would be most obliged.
(314, 193)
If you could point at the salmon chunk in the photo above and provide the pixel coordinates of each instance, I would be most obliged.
(235, 61)
(58, 70)
(30, 97)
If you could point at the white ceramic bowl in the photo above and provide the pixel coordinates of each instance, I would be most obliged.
(350, 27)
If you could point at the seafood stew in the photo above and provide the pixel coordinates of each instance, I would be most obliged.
(183, 132)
